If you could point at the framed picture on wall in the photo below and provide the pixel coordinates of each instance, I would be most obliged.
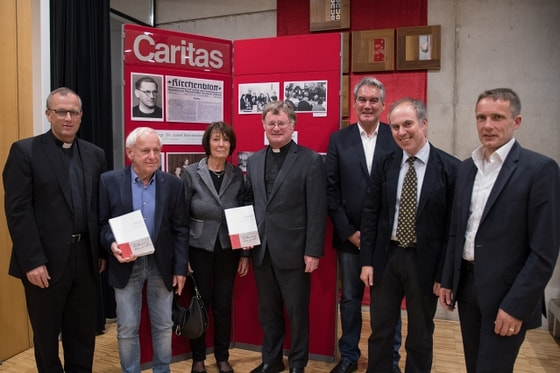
(419, 48)
(329, 14)
(373, 50)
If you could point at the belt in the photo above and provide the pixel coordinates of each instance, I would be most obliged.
(468, 265)
(397, 243)
(77, 237)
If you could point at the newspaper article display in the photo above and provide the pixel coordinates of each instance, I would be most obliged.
(194, 100)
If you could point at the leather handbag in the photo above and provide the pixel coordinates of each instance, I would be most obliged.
(189, 322)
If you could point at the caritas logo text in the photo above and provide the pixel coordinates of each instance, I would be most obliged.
(164, 48)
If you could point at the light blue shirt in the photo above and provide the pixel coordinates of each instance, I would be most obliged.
(144, 199)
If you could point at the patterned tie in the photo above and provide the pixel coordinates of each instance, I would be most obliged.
(406, 232)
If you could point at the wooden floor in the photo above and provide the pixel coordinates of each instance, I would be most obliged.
(540, 353)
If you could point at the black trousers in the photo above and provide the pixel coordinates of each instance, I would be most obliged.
(67, 307)
(279, 288)
(214, 273)
(400, 279)
(481, 345)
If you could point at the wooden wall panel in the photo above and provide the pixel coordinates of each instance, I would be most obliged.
(15, 123)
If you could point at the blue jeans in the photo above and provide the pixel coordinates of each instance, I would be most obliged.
(351, 309)
(129, 304)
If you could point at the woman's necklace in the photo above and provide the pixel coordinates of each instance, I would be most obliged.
(217, 173)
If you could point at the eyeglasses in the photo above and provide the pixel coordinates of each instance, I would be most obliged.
(274, 124)
(149, 93)
(63, 113)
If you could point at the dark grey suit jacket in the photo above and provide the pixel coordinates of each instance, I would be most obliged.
(38, 204)
(517, 241)
(206, 206)
(432, 215)
(170, 236)
(292, 221)
(348, 179)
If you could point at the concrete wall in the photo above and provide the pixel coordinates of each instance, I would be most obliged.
(485, 44)
(489, 44)
(232, 20)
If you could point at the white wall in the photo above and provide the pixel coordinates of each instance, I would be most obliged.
(495, 43)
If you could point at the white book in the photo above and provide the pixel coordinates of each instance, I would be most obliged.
(131, 234)
(242, 226)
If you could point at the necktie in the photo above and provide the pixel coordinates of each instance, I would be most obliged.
(406, 232)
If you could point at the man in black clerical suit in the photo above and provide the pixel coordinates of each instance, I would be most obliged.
(286, 183)
(51, 183)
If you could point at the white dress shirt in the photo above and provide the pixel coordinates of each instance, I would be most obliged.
(368, 143)
(486, 176)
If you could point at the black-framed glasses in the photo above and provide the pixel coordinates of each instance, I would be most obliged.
(149, 93)
(63, 113)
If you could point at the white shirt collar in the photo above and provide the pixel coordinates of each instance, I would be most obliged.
(423, 154)
(363, 132)
(499, 155)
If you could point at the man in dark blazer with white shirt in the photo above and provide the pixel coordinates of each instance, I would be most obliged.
(351, 154)
(50, 184)
(160, 197)
(503, 239)
(286, 184)
(406, 260)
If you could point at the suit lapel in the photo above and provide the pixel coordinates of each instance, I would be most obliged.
(161, 202)
(56, 159)
(125, 189)
(355, 142)
(510, 164)
(204, 173)
(258, 169)
(430, 175)
(393, 183)
(466, 195)
(84, 153)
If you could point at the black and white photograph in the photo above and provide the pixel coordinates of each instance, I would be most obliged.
(254, 96)
(146, 97)
(177, 162)
(307, 96)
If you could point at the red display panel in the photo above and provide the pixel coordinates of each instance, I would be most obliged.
(193, 77)
(305, 68)
(193, 80)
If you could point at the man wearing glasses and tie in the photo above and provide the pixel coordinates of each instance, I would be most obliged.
(404, 234)
(146, 91)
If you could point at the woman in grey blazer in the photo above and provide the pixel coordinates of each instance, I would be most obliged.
(212, 185)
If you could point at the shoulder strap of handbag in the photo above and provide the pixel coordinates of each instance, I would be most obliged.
(196, 292)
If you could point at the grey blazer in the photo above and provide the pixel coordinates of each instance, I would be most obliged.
(206, 206)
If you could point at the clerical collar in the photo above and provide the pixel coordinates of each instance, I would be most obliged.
(282, 149)
(63, 145)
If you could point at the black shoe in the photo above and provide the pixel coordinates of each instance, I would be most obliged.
(344, 366)
(198, 367)
(269, 368)
(224, 367)
(296, 370)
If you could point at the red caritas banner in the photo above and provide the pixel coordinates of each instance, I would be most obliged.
(163, 48)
